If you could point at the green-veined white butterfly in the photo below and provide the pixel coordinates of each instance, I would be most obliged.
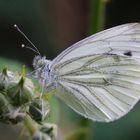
(98, 77)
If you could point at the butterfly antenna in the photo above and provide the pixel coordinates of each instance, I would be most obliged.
(30, 48)
(34, 47)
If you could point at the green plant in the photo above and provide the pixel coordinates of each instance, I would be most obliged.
(19, 103)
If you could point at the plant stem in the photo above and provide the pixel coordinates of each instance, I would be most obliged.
(96, 23)
(76, 134)
(97, 15)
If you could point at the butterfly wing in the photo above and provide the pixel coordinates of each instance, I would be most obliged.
(117, 40)
(99, 77)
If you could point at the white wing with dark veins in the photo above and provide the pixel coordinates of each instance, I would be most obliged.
(99, 77)
(117, 40)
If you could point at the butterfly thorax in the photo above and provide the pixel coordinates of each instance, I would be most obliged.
(42, 71)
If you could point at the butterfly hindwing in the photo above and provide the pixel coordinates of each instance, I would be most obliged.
(102, 87)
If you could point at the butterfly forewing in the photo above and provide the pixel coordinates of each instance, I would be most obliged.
(99, 77)
(125, 36)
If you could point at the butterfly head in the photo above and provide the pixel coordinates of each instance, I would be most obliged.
(40, 62)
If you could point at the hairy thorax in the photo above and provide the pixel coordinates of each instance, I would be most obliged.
(43, 73)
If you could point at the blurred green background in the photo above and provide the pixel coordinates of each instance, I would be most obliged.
(53, 25)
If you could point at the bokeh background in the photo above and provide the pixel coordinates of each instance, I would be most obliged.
(53, 25)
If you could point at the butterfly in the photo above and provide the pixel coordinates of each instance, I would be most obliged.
(98, 77)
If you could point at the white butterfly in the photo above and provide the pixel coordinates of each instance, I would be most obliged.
(98, 77)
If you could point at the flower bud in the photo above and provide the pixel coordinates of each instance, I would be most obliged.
(49, 129)
(3, 104)
(40, 136)
(9, 114)
(12, 115)
(6, 78)
(15, 94)
(20, 93)
(39, 110)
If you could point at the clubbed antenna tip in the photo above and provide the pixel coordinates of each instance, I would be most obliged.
(22, 45)
(33, 48)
